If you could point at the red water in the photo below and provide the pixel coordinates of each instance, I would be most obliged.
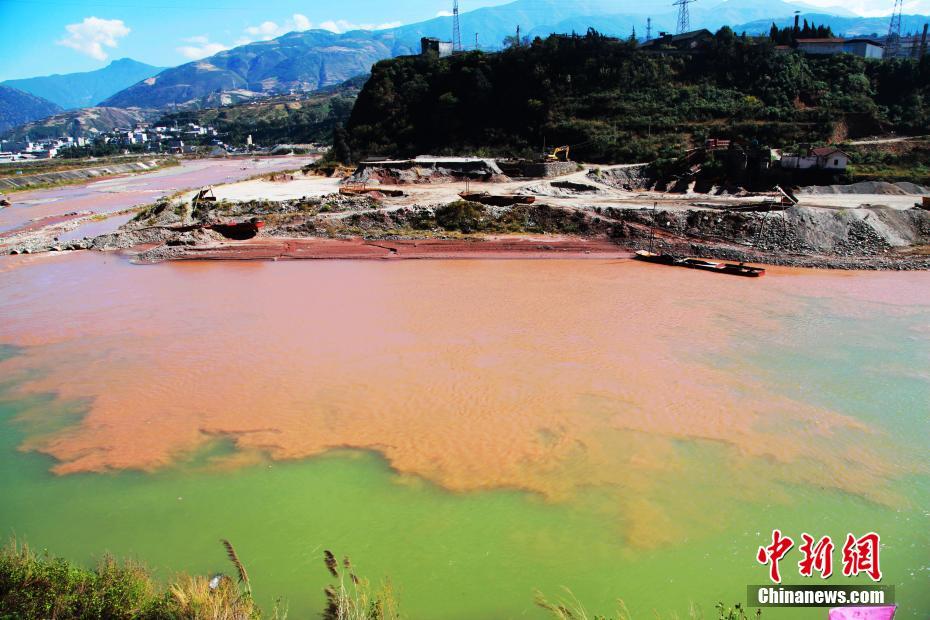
(543, 376)
(133, 190)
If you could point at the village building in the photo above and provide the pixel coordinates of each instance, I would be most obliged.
(825, 158)
(431, 45)
(863, 48)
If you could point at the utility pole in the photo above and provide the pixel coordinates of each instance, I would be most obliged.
(477, 45)
(684, 15)
(456, 28)
(893, 41)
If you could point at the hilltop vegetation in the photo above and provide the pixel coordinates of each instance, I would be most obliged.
(300, 120)
(616, 103)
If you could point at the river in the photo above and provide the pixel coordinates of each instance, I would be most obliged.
(131, 190)
(474, 431)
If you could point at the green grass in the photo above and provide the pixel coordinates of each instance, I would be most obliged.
(39, 585)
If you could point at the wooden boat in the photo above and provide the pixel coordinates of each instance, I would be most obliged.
(360, 189)
(733, 269)
(497, 201)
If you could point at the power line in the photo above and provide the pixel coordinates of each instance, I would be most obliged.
(456, 28)
(684, 15)
(893, 41)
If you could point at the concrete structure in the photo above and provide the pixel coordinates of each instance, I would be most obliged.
(825, 158)
(864, 48)
(430, 45)
(829, 158)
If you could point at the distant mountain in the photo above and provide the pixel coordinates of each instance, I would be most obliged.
(612, 17)
(18, 107)
(307, 61)
(80, 90)
(845, 26)
(295, 62)
(81, 123)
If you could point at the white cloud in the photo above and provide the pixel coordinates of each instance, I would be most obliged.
(265, 30)
(444, 14)
(270, 30)
(93, 34)
(301, 22)
(871, 8)
(341, 25)
(201, 47)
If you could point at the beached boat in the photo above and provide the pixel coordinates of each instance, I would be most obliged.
(733, 269)
(497, 201)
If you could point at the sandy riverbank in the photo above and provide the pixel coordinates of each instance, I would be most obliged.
(596, 212)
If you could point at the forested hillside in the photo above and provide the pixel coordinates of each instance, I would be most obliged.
(615, 102)
(292, 119)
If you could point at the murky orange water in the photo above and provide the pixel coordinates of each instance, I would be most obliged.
(543, 376)
(133, 190)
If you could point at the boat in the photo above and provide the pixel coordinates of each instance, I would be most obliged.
(497, 201)
(733, 269)
(361, 189)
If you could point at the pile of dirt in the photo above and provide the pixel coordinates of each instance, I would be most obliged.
(873, 238)
(428, 170)
(867, 187)
(628, 178)
(561, 189)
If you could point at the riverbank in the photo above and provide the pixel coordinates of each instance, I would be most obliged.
(36, 585)
(589, 213)
(71, 176)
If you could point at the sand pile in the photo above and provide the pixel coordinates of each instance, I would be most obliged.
(867, 187)
(429, 170)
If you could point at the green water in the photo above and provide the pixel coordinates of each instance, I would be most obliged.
(484, 554)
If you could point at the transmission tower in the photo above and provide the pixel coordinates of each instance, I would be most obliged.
(893, 41)
(456, 28)
(684, 15)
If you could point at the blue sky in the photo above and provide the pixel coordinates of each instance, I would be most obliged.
(40, 37)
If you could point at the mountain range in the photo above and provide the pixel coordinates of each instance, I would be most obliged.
(18, 107)
(307, 61)
(81, 90)
(303, 62)
(296, 62)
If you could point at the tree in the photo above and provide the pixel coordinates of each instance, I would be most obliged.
(341, 151)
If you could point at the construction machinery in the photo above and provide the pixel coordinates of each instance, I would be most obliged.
(554, 156)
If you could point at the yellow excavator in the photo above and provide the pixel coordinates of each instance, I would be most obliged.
(554, 156)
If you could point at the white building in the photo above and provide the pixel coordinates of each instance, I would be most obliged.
(864, 48)
(825, 158)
